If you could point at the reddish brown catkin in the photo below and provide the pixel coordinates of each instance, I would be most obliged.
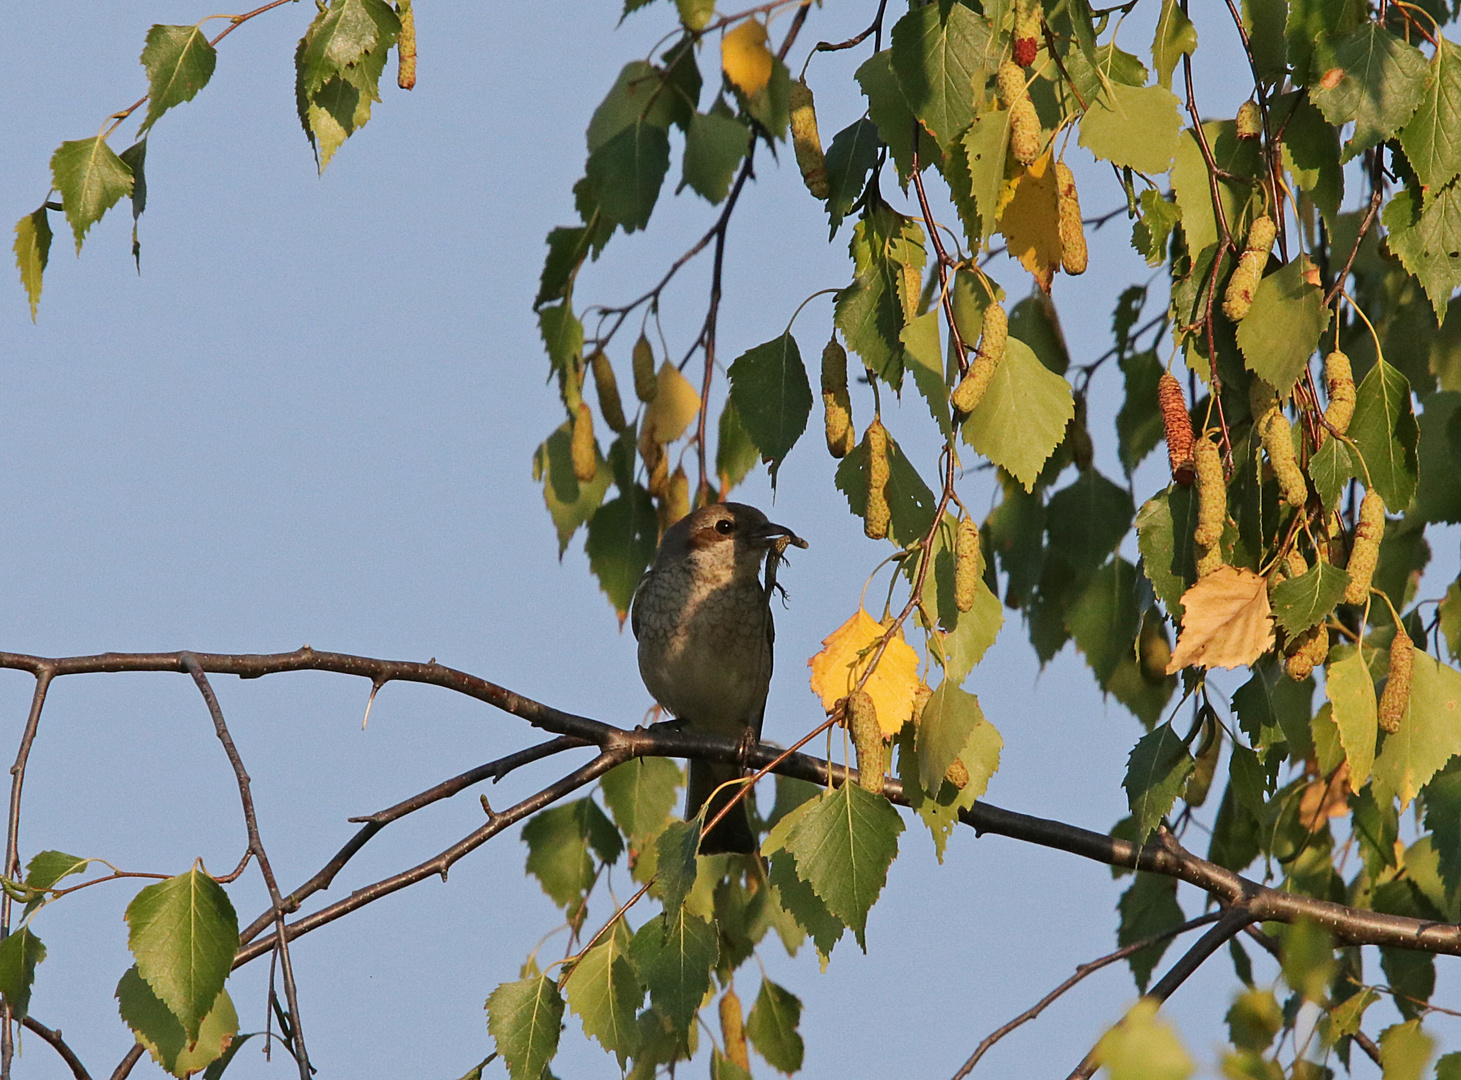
(1339, 381)
(1073, 252)
(1025, 137)
(992, 340)
(968, 568)
(1177, 427)
(1364, 555)
(878, 517)
(806, 141)
(1239, 295)
(1395, 698)
(867, 736)
(835, 401)
(608, 387)
(1026, 33)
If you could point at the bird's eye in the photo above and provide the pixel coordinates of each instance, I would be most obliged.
(725, 526)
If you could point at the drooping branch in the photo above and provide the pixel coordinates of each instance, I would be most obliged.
(53, 1038)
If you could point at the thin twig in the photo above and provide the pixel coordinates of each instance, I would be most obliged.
(1227, 926)
(53, 1037)
(256, 845)
(1081, 972)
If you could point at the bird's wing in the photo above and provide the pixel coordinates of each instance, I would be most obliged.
(634, 603)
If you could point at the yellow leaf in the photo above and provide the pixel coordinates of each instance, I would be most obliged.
(845, 656)
(1031, 221)
(745, 57)
(1226, 621)
(676, 402)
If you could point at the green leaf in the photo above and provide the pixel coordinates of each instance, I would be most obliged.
(1273, 709)
(923, 357)
(986, 145)
(888, 109)
(524, 1018)
(675, 954)
(1143, 1047)
(90, 178)
(1345, 1018)
(179, 63)
(567, 248)
(20, 952)
(869, 312)
(1282, 327)
(1430, 730)
(948, 720)
(1023, 415)
(641, 795)
(958, 639)
(332, 114)
(800, 900)
(735, 453)
(1308, 958)
(622, 537)
(938, 53)
(1351, 692)
(559, 839)
(1088, 519)
(1149, 906)
(1254, 1019)
(1104, 619)
(348, 40)
(1411, 975)
(48, 867)
(1331, 470)
(852, 155)
(1152, 230)
(1034, 321)
(604, 991)
(1139, 423)
(1438, 487)
(135, 158)
(910, 502)
(570, 501)
(183, 934)
(1164, 528)
(1175, 37)
(1264, 21)
(1405, 1051)
(1443, 818)
(1432, 138)
(628, 172)
(158, 1029)
(843, 846)
(1381, 81)
(773, 397)
(639, 94)
(1245, 772)
(675, 865)
(715, 145)
(772, 1027)
(1303, 601)
(32, 252)
(1311, 153)
(1136, 126)
(1386, 434)
(1156, 772)
(1240, 158)
(1428, 240)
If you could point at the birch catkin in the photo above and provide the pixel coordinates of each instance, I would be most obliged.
(1339, 381)
(1177, 427)
(968, 568)
(608, 388)
(1278, 442)
(992, 340)
(1364, 555)
(1073, 253)
(878, 517)
(1395, 698)
(1024, 121)
(836, 404)
(646, 382)
(1239, 295)
(582, 450)
(867, 736)
(806, 141)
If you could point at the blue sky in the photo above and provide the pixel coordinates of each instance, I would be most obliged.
(311, 419)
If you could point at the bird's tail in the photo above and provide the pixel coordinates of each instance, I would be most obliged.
(734, 833)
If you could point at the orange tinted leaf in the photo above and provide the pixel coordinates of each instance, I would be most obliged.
(745, 57)
(1031, 220)
(846, 654)
(1226, 621)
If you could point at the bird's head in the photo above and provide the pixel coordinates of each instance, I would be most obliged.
(732, 537)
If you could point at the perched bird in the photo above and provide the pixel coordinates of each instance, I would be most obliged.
(702, 616)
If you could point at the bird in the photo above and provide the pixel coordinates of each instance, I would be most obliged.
(702, 618)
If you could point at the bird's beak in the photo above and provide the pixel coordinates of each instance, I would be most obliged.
(770, 532)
